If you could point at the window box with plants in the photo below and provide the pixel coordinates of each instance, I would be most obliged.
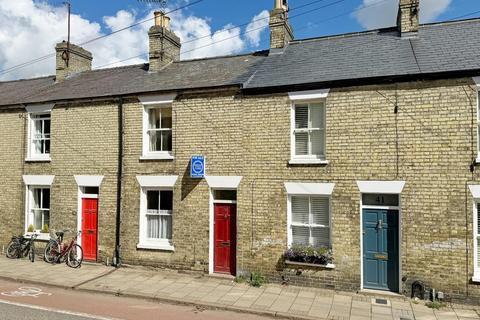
(308, 256)
(43, 234)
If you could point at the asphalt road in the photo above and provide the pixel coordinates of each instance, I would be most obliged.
(35, 302)
(15, 312)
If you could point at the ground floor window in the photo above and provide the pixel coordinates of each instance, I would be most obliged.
(309, 221)
(156, 218)
(38, 217)
(476, 233)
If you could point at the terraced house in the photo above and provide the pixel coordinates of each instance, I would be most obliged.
(364, 143)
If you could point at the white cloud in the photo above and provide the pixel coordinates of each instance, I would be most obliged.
(30, 29)
(199, 41)
(380, 14)
(256, 26)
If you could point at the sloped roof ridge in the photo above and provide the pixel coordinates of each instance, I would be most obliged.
(381, 30)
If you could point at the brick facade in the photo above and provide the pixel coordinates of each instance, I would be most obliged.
(430, 143)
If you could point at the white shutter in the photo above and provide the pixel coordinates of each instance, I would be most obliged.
(478, 235)
(301, 116)
(300, 235)
(300, 210)
(320, 237)
(320, 211)
(301, 143)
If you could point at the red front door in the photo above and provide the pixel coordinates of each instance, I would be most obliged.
(225, 235)
(89, 228)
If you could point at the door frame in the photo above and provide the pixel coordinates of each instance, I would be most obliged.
(82, 195)
(211, 243)
(399, 258)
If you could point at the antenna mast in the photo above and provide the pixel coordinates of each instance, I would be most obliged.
(66, 55)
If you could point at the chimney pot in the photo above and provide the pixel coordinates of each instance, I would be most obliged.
(158, 15)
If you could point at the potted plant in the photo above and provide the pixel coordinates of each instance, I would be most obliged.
(299, 254)
(45, 229)
(30, 228)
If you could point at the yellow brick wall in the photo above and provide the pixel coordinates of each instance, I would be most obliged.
(430, 144)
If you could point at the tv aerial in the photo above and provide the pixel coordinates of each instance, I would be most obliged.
(160, 4)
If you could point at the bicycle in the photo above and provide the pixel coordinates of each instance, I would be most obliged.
(21, 246)
(56, 250)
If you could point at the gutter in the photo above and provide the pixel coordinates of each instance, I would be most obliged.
(117, 255)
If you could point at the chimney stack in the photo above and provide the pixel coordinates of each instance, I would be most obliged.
(71, 59)
(408, 17)
(164, 44)
(280, 30)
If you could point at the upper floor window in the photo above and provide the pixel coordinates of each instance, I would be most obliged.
(39, 134)
(157, 126)
(160, 129)
(308, 132)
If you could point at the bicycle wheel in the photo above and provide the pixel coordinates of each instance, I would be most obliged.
(52, 250)
(12, 250)
(75, 256)
(31, 253)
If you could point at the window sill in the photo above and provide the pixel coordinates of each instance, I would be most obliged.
(477, 161)
(157, 157)
(310, 265)
(38, 159)
(476, 279)
(308, 161)
(163, 247)
(41, 236)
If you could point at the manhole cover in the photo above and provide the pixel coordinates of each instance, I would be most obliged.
(381, 302)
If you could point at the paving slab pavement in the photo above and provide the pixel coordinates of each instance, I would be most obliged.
(198, 289)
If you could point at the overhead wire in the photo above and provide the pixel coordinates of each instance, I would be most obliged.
(27, 63)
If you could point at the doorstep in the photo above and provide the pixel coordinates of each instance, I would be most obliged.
(390, 294)
(224, 276)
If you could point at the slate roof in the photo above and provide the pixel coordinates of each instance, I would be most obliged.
(438, 48)
(188, 74)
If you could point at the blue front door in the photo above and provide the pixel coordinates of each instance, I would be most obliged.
(380, 249)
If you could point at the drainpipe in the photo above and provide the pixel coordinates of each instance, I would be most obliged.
(116, 258)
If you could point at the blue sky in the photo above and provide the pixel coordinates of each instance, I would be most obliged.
(222, 12)
(206, 28)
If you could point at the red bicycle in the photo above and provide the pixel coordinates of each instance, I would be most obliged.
(56, 251)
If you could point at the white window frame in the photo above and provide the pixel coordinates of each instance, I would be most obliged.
(308, 98)
(157, 183)
(29, 216)
(34, 111)
(476, 236)
(33, 182)
(149, 243)
(308, 190)
(310, 224)
(154, 102)
(475, 190)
